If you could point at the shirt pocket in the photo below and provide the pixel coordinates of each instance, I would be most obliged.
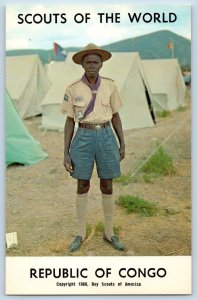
(79, 109)
(105, 98)
(106, 105)
(106, 101)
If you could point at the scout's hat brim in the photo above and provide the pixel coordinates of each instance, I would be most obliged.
(91, 49)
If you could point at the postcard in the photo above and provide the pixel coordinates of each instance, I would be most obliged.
(98, 149)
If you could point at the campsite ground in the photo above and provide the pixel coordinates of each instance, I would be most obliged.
(40, 199)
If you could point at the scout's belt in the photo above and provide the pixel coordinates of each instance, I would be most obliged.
(94, 126)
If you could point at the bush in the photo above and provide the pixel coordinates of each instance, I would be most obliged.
(181, 108)
(124, 179)
(160, 163)
(133, 204)
(148, 178)
(163, 114)
(100, 227)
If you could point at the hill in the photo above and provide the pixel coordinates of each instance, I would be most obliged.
(149, 46)
(155, 45)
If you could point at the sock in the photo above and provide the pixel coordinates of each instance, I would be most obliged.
(81, 206)
(108, 207)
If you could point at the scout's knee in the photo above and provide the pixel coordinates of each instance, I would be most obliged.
(106, 187)
(83, 186)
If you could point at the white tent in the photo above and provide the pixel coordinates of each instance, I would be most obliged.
(125, 69)
(51, 116)
(166, 83)
(53, 69)
(61, 75)
(27, 83)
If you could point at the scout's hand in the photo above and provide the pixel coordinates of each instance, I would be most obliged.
(67, 163)
(122, 152)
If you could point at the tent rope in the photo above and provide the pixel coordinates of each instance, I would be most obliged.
(163, 142)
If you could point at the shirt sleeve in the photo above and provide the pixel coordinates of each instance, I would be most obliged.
(66, 106)
(115, 100)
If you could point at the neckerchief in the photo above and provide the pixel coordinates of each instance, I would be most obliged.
(94, 89)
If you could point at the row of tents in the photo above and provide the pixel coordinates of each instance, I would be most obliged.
(145, 86)
(38, 89)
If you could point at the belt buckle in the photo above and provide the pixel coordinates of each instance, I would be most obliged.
(97, 126)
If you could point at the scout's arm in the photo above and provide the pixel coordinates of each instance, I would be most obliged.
(117, 125)
(68, 134)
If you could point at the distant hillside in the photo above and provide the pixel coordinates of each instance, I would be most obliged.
(155, 45)
(149, 46)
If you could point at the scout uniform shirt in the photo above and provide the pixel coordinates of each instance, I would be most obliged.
(79, 94)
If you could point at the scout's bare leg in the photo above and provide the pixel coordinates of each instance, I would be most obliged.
(81, 205)
(83, 186)
(108, 206)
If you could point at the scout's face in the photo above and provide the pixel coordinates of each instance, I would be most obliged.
(92, 64)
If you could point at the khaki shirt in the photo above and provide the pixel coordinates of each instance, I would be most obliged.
(78, 95)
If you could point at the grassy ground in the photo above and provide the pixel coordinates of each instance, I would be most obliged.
(40, 199)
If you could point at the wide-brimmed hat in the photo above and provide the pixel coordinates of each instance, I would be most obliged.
(91, 49)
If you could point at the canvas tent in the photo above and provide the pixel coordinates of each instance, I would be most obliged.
(166, 83)
(27, 83)
(21, 147)
(53, 69)
(125, 69)
(51, 116)
(61, 74)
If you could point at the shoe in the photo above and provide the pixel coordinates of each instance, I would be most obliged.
(76, 244)
(115, 242)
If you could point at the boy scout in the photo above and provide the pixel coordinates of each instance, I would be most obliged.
(93, 101)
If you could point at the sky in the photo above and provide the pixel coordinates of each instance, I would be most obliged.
(75, 32)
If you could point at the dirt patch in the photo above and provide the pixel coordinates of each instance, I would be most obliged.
(40, 199)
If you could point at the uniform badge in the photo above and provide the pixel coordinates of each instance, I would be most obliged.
(66, 97)
(79, 115)
(78, 98)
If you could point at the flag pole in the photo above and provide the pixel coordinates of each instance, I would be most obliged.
(172, 49)
(170, 46)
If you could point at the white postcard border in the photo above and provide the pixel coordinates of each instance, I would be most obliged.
(98, 275)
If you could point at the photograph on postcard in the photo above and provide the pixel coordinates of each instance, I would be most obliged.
(98, 148)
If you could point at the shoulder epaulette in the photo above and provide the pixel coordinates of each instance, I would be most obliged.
(107, 78)
(73, 82)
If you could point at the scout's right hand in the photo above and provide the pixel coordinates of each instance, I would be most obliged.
(67, 163)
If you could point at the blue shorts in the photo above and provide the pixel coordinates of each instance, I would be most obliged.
(99, 146)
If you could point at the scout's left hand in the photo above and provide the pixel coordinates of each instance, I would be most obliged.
(122, 152)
